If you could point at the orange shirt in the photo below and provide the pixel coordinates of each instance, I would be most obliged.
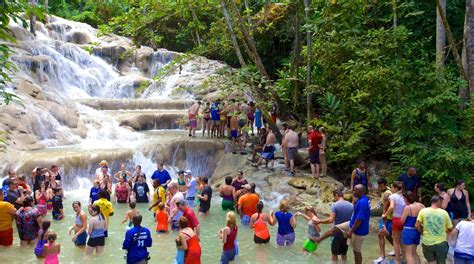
(161, 221)
(248, 203)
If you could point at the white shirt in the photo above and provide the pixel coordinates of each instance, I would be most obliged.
(465, 242)
(176, 197)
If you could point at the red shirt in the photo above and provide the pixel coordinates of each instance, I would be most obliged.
(192, 219)
(314, 140)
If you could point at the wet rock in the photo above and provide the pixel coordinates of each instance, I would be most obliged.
(79, 37)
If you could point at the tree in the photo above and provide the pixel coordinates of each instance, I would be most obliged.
(469, 50)
(233, 38)
(440, 38)
(308, 60)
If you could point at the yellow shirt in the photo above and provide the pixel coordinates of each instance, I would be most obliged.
(105, 206)
(387, 193)
(161, 193)
(435, 223)
(5, 217)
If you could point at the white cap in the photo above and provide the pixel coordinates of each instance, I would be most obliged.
(188, 172)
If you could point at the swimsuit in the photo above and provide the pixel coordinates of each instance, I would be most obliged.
(410, 236)
(228, 202)
(261, 233)
(82, 238)
(459, 206)
(360, 178)
(51, 258)
(121, 192)
(42, 207)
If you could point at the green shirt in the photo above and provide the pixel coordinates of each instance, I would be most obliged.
(435, 223)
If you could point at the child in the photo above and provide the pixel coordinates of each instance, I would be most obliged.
(94, 194)
(179, 259)
(58, 213)
(42, 235)
(52, 250)
(161, 219)
(130, 214)
(310, 244)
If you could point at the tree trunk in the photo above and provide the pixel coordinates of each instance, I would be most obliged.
(395, 13)
(451, 41)
(267, 11)
(296, 58)
(233, 38)
(32, 4)
(464, 93)
(307, 5)
(195, 18)
(46, 8)
(440, 40)
(247, 7)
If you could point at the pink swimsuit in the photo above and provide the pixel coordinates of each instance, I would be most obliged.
(51, 258)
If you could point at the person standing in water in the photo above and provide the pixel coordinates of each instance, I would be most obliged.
(159, 196)
(124, 173)
(7, 214)
(411, 236)
(228, 236)
(193, 117)
(136, 242)
(311, 244)
(79, 226)
(130, 214)
(189, 242)
(162, 174)
(385, 224)
(97, 228)
(227, 192)
(360, 175)
(259, 222)
(106, 208)
(190, 188)
(396, 208)
(205, 197)
(247, 204)
(52, 250)
(141, 190)
(286, 224)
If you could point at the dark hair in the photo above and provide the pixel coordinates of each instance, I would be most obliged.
(338, 193)
(259, 207)
(103, 194)
(252, 187)
(183, 222)
(441, 186)
(139, 166)
(54, 166)
(95, 208)
(285, 126)
(52, 236)
(56, 190)
(459, 182)
(137, 220)
(45, 226)
(410, 196)
(28, 201)
(205, 179)
(133, 205)
(76, 202)
(228, 180)
(382, 181)
(398, 185)
(157, 181)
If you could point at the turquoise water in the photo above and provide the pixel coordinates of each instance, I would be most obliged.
(163, 249)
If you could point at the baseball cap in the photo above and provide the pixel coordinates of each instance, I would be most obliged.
(246, 186)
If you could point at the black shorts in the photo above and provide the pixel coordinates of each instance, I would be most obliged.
(339, 245)
(204, 209)
(96, 242)
(314, 157)
(258, 240)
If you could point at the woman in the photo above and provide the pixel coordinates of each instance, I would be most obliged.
(440, 189)
(189, 242)
(182, 182)
(464, 249)
(286, 224)
(322, 151)
(310, 245)
(396, 208)
(259, 222)
(52, 250)
(122, 191)
(206, 120)
(97, 227)
(28, 222)
(258, 120)
(227, 192)
(360, 175)
(42, 198)
(411, 236)
(228, 235)
(106, 184)
(460, 201)
(42, 238)
(79, 226)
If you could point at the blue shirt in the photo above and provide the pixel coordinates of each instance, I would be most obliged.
(410, 183)
(137, 239)
(362, 213)
(284, 225)
(163, 176)
(94, 194)
(215, 112)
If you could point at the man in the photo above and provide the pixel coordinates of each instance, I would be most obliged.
(123, 172)
(7, 212)
(341, 212)
(247, 204)
(433, 223)
(358, 227)
(11, 175)
(258, 148)
(137, 240)
(106, 208)
(268, 149)
(190, 216)
(22, 183)
(192, 115)
(162, 174)
(15, 194)
(385, 225)
(159, 196)
(314, 140)
(138, 172)
(234, 132)
(191, 188)
(54, 171)
(141, 190)
(175, 214)
(205, 197)
(291, 143)
(411, 181)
